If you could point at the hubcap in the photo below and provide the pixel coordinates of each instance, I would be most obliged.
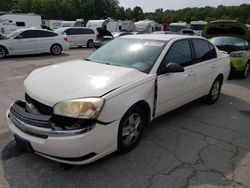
(56, 49)
(246, 70)
(131, 129)
(2, 53)
(215, 90)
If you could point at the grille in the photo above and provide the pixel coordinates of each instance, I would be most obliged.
(42, 108)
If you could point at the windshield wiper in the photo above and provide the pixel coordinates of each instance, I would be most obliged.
(87, 59)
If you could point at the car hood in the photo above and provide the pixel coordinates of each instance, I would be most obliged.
(226, 28)
(77, 79)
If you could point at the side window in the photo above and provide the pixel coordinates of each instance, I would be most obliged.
(42, 34)
(20, 24)
(67, 32)
(202, 50)
(180, 53)
(76, 31)
(28, 34)
(212, 51)
(89, 31)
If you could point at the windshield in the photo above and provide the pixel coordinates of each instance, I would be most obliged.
(197, 27)
(176, 29)
(59, 30)
(231, 42)
(131, 53)
(13, 34)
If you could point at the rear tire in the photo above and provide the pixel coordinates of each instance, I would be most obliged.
(245, 73)
(214, 92)
(3, 52)
(130, 129)
(56, 49)
(90, 44)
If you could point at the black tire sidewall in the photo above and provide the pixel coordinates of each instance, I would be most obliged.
(210, 99)
(51, 50)
(4, 52)
(89, 42)
(242, 74)
(122, 148)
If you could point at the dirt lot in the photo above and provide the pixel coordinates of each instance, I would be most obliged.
(195, 146)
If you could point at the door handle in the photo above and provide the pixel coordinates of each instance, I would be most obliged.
(192, 73)
(213, 66)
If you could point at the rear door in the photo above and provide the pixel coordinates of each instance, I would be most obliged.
(26, 44)
(205, 65)
(44, 40)
(176, 89)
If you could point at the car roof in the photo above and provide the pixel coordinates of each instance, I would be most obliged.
(33, 28)
(165, 37)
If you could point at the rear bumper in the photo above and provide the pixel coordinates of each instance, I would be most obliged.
(66, 146)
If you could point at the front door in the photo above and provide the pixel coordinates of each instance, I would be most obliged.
(26, 44)
(175, 89)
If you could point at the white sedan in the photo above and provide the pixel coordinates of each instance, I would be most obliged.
(79, 111)
(32, 41)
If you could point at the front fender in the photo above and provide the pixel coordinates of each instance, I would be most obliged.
(120, 100)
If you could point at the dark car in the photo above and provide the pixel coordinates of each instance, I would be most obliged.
(104, 36)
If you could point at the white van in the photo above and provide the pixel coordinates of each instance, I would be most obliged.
(198, 27)
(53, 24)
(176, 27)
(77, 23)
(111, 25)
(10, 22)
(147, 26)
(78, 36)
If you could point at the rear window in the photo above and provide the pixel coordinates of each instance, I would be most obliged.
(89, 31)
(42, 34)
(20, 24)
(203, 50)
(76, 31)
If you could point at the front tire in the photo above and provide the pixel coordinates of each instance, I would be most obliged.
(130, 129)
(215, 91)
(56, 49)
(3, 52)
(244, 73)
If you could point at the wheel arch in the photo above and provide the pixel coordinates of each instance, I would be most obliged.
(145, 107)
(221, 77)
(6, 50)
(56, 44)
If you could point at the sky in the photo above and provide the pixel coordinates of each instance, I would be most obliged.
(151, 5)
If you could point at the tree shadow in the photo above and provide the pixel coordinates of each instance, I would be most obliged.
(196, 145)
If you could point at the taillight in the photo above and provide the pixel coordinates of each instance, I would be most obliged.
(65, 38)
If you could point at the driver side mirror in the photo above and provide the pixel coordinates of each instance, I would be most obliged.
(19, 37)
(172, 68)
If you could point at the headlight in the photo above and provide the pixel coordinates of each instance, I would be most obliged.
(85, 108)
(237, 54)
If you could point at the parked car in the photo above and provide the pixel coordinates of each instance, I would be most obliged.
(234, 38)
(112, 95)
(32, 41)
(78, 36)
(104, 36)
